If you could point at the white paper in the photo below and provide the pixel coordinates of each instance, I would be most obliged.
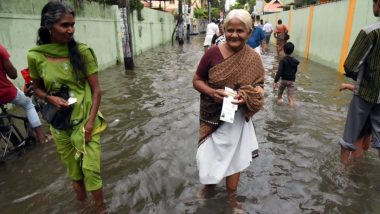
(228, 108)
(72, 100)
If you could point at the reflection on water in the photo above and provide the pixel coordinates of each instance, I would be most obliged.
(148, 159)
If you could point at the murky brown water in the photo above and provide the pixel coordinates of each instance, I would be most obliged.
(148, 161)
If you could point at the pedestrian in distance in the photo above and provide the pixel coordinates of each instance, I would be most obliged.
(364, 140)
(10, 94)
(261, 25)
(363, 65)
(280, 33)
(256, 40)
(225, 149)
(268, 30)
(211, 30)
(195, 21)
(287, 70)
(218, 37)
(57, 62)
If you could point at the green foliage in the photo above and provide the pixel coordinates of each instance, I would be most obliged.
(215, 3)
(107, 2)
(240, 4)
(221, 4)
(237, 6)
(251, 3)
(215, 13)
(136, 5)
(200, 13)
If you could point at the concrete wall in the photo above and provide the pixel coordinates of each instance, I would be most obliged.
(329, 28)
(19, 22)
(96, 25)
(34, 7)
(156, 28)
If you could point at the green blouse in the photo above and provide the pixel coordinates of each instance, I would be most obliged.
(54, 73)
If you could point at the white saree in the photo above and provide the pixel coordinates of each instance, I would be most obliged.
(227, 150)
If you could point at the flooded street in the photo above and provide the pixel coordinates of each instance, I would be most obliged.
(148, 151)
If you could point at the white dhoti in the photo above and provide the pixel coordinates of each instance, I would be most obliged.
(208, 40)
(227, 150)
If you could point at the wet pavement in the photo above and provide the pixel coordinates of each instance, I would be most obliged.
(148, 153)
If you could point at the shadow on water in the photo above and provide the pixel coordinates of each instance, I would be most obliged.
(148, 153)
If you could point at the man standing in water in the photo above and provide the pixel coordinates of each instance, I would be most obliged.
(363, 65)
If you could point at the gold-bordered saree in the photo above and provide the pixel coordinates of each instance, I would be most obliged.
(243, 72)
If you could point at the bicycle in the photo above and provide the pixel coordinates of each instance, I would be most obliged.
(13, 139)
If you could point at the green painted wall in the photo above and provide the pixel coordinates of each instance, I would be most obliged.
(328, 27)
(19, 25)
(96, 25)
(34, 7)
(328, 32)
(156, 28)
(298, 32)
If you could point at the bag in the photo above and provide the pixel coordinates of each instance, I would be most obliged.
(286, 34)
(58, 118)
(286, 37)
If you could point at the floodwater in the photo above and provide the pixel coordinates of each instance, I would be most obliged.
(148, 151)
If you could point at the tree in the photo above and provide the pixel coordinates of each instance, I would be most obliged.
(200, 13)
(241, 3)
(215, 13)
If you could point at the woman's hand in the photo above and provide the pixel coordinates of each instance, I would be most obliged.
(88, 131)
(58, 102)
(260, 90)
(239, 100)
(218, 95)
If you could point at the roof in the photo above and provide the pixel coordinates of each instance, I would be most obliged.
(273, 6)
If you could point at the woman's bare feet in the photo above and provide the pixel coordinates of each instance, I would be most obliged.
(208, 191)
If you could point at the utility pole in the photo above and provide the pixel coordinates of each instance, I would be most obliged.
(180, 8)
(209, 10)
(127, 49)
(180, 29)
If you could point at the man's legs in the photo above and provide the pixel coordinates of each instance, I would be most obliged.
(357, 115)
(31, 113)
(375, 123)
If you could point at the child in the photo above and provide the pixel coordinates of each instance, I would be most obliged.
(287, 72)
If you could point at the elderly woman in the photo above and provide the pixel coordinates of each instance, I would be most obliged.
(225, 149)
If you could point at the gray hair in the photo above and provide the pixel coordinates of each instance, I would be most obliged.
(51, 13)
(241, 15)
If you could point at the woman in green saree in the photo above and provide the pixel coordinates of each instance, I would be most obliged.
(59, 60)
